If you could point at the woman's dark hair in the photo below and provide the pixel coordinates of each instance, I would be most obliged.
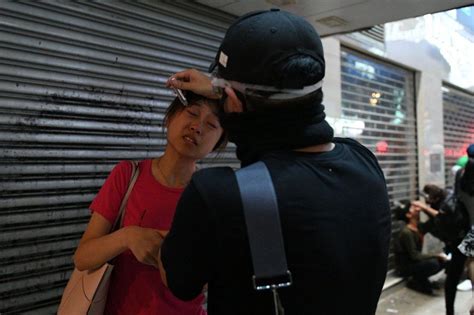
(435, 194)
(402, 209)
(467, 180)
(195, 99)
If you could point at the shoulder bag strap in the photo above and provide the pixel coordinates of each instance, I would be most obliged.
(133, 178)
(264, 230)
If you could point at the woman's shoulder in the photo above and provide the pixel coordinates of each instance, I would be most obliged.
(127, 165)
(406, 232)
(122, 171)
(123, 168)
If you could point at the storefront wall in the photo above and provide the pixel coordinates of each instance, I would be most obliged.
(82, 87)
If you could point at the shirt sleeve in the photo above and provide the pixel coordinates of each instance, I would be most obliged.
(407, 241)
(427, 226)
(187, 250)
(108, 199)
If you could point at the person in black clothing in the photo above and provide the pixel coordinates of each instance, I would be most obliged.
(331, 192)
(466, 197)
(435, 197)
(409, 260)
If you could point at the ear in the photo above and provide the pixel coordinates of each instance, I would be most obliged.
(232, 103)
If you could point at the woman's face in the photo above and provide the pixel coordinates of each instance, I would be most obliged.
(194, 131)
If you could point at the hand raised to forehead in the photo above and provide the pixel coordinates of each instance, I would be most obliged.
(194, 81)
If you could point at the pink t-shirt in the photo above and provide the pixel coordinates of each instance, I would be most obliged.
(136, 288)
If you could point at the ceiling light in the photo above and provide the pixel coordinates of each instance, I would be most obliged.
(281, 2)
(332, 21)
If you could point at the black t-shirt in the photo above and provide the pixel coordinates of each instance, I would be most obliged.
(335, 219)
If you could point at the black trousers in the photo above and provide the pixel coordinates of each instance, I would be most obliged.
(454, 270)
(420, 271)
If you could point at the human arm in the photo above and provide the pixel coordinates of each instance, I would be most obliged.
(97, 246)
(426, 209)
(187, 251)
(199, 83)
(193, 80)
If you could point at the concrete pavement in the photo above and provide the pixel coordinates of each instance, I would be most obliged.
(403, 301)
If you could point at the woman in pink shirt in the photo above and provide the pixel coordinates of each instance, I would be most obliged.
(136, 288)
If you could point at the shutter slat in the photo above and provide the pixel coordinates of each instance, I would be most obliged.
(82, 86)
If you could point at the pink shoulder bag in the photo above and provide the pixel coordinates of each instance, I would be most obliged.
(86, 291)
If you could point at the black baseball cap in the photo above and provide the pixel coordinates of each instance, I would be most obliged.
(259, 40)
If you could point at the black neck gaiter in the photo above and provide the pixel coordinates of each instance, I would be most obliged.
(259, 132)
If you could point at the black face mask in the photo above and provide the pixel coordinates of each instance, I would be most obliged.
(259, 132)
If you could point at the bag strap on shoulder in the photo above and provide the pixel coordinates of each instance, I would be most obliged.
(264, 229)
(133, 178)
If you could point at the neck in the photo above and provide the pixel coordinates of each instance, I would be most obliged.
(413, 225)
(172, 170)
(260, 132)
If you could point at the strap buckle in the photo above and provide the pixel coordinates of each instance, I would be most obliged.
(272, 283)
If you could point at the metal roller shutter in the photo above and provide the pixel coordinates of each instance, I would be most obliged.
(81, 87)
(378, 100)
(458, 116)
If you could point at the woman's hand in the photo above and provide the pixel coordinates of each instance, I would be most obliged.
(192, 80)
(442, 257)
(144, 243)
(425, 208)
(419, 204)
(199, 83)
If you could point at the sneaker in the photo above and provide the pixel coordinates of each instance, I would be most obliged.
(466, 285)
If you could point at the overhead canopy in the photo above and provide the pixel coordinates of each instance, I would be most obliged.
(340, 16)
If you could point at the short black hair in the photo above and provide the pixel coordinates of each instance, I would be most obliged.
(402, 209)
(434, 193)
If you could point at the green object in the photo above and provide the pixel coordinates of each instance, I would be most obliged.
(462, 161)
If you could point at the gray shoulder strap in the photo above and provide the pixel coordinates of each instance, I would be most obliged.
(263, 227)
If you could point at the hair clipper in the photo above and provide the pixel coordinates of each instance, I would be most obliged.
(181, 96)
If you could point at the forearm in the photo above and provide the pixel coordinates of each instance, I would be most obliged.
(193, 80)
(426, 208)
(93, 253)
(430, 211)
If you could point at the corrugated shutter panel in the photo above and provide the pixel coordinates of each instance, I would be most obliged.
(376, 32)
(81, 87)
(379, 100)
(458, 116)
